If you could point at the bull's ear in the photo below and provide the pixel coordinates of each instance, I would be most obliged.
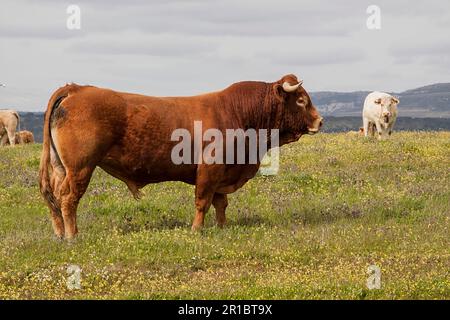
(378, 101)
(395, 100)
(279, 92)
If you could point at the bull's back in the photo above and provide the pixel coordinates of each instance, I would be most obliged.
(130, 135)
(7, 116)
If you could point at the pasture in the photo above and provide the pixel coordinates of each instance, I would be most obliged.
(338, 205)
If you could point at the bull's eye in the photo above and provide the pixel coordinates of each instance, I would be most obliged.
(301, 102)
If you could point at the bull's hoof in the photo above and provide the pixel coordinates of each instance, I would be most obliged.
(71, 241)
(196, 228)
(58, 237)
(71, 238)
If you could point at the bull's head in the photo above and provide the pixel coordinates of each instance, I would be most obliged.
(299, 114)
(388, 105)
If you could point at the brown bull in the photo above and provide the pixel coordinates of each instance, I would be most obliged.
(23, 137)
(129, 136)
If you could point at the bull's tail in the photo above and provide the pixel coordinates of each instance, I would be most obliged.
(44, 174)
(18, 129)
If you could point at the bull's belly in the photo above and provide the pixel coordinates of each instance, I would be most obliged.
(228, 181)
(141, 173)
(235, 177)
(140, 164)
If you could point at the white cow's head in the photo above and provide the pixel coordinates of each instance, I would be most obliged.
(388, 105)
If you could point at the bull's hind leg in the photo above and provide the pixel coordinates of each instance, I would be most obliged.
(72, 189)
(11, 136)
(4, 139)
(10, 128)
(220, 203)
(372, 129)
(56, 179)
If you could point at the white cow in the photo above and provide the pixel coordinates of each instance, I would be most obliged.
(380, 111)
(9, 119)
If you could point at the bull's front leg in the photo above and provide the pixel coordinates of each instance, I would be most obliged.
(203, 198)
(366, 127)
(204, 194)
(379, 129)
(390, 128)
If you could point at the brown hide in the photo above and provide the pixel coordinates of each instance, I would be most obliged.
(129, 136)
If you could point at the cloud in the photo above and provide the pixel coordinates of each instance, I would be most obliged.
(154, 45)
(202, 45)
(423, 48)
(216, 18)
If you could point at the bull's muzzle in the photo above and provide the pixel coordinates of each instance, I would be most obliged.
(316, 126)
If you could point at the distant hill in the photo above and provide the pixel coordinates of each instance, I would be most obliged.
(34, 122)
(431, 101)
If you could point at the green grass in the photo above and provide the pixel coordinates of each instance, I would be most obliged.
(339, 204)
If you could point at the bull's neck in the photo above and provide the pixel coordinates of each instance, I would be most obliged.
(254, 105)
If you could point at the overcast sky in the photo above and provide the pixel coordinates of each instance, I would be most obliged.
(194, 46)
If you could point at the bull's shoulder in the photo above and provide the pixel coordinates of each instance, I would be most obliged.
(8, 115)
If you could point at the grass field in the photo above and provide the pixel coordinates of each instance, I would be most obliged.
(339, 204)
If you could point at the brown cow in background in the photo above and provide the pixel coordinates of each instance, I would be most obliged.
(129, 136)
(24, 137)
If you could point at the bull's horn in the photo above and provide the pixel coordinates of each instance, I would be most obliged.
(291, 88)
